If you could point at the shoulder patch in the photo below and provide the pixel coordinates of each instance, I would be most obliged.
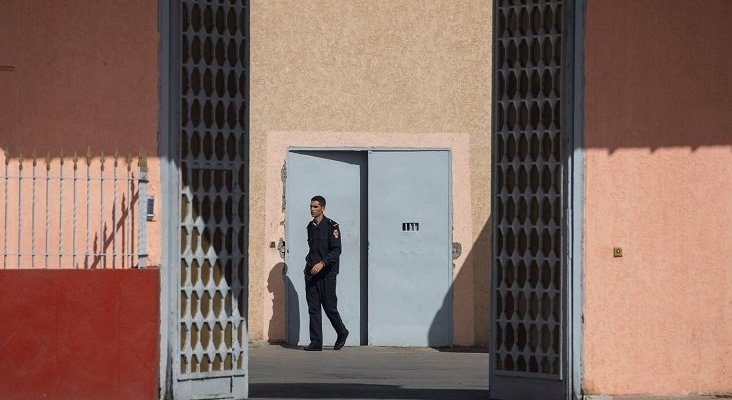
(336, 232)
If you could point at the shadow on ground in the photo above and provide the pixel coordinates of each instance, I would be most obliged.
(356, 391)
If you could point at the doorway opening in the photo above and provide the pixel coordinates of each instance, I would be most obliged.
(394, 210)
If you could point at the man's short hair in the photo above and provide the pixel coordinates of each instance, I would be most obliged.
(320, 199)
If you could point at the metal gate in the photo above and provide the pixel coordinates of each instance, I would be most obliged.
(210, 337)
(532, 127)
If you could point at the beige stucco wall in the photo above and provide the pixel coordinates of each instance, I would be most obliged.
(403, 72)
(658, 132)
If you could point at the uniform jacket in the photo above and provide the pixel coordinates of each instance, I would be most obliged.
(324, 241)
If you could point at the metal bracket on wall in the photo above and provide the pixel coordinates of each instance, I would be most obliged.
(283, 174)
(457, 250)
(281, 247)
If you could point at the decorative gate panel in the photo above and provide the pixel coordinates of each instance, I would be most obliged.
(213, 241)
(527, 344)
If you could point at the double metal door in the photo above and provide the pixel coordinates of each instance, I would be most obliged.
(393, 206)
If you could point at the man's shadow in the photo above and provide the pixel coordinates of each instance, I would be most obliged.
(285, 298)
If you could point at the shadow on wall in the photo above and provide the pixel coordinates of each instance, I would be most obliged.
(75, 213)
(65, 89)
(670, 89)
(479, 260)
(280, 296)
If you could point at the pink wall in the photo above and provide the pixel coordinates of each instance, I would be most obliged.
(78, 73)
(658, 135)
(74, 75)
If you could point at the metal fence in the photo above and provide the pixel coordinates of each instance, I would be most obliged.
(73, 212)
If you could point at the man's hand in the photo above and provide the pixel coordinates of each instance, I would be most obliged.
(316, 268)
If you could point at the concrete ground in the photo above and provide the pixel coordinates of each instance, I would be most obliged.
(689, 397)
(277, 372)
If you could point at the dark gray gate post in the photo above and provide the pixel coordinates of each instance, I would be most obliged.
(536, 201)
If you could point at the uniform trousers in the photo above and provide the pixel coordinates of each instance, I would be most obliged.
(320, 290)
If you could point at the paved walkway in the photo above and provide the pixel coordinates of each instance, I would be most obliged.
(277, 372)
(689, 397)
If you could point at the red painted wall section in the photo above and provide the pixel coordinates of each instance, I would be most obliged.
(76, 334)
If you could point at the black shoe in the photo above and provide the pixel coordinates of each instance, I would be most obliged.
(341, 341)
(312, 347)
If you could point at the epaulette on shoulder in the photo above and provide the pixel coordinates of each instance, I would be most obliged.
(332, 223)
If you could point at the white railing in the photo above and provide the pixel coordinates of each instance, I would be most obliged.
(61, 212)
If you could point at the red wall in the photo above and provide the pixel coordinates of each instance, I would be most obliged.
(77, 334)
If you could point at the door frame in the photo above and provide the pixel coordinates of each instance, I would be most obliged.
(574, 200)
(367, 150)
(168, 145)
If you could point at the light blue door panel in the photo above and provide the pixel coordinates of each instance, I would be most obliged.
(340, 177)
(409, 275)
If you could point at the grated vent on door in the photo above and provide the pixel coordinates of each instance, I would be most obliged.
(213, 274)
(528, 195)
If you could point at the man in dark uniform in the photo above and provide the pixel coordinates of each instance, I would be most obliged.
(321, 269)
